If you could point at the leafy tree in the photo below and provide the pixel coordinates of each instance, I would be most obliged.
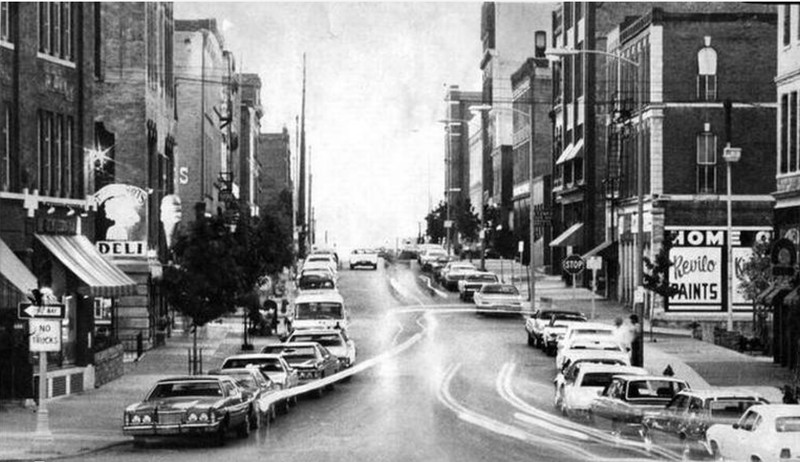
(656, 273)
(435, 222)
(756, 272)
(467, 222)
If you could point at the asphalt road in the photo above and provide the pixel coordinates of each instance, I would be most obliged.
(445, 385)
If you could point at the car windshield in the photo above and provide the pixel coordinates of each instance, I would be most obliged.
(597, 379)
(650, 389)
(567, 317)
(242, 378)
(585, 332)
(265, 364)
(789, 424)
(293, 355)
(500, 289)
(318, 310)
(181, 389)
(313, 281)
(730, 407)
(327, 340)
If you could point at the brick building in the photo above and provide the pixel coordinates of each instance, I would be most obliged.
(47, 69)
(251, 113)
(275, 161)
(508, 37)
(671, 113)
(782, 300)
(532, 137)
(204, 77)
(457, 171)
(135, 134)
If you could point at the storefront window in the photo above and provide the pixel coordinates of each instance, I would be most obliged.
(104, 332)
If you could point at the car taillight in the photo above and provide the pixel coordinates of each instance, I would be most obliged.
(786, 453)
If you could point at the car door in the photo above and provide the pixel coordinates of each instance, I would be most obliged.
(741, 438)
(235, 402)
(669, 419)
(601, 407)
(329, 361)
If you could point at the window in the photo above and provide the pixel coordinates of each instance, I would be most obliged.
(784, 131)
(55, 29)
(5, 22)
(567, 15)
(5, 148)
(792, 148)
(55, 154)
(578, 11)
(579, 71)
(787, 24)
(707, 72)
(706, 163)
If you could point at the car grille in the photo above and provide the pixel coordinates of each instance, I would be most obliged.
(170, 418)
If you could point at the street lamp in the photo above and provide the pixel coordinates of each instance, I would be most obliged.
(558, 53)
(531, 215)
(731, 155)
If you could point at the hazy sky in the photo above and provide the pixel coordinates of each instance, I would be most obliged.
(376, 83)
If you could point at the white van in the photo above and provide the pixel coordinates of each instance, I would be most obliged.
(320, 309)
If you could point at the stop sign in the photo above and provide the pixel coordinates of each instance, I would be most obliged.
(573, 264)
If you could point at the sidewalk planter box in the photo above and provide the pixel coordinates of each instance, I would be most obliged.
(108, 364)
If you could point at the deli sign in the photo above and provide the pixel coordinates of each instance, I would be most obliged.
(700, 267)
(122, 248)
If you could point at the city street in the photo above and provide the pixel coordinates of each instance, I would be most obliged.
(462, 387)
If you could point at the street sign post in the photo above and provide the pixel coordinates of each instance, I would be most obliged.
(45, 335)
(50, 310)
(595, 264)
(574, 264)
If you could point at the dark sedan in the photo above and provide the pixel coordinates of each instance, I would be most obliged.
(196, 405)
(311, 360)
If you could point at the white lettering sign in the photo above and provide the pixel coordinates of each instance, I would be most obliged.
(741, 255)
(183, 175)
(122, 248)
(696, 273)
(45, 335)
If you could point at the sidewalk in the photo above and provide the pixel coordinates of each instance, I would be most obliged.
(702, 364)
(92, 420)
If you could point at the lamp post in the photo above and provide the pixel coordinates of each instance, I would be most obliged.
(531, 213)
(731, 155)
(637, 350)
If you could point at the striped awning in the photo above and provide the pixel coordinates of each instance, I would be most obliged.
(571, 237)
(101, 277)
(15, 271)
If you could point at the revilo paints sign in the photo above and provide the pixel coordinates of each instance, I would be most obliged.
(700, 267)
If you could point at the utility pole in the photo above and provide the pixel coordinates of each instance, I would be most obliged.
(301, 196)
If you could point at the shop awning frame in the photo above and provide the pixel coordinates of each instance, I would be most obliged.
(599, 249)
(78, 254)
(12, 268)
(573, 236)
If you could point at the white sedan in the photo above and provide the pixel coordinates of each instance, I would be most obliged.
(575, 395)
(335, 340)
(498, 298)
(577, 346)
(765, 432)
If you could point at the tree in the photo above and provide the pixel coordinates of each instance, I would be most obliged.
(756, 272)
(467, 222)
(656, 274)
(435, 222)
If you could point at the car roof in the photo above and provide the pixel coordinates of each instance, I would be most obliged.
(191, 378)
(315, 332)
(629, 377)
(254, 356)
(232, 370)
(593, 325)
(557, 312)
(293, 344)
(777, 410)
(319, 296)
(721, 393)
(616, 369)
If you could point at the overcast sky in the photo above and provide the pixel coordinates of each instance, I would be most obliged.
(376, 82)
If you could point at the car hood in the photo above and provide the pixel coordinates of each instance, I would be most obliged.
(338, 351)
(175, 404)
(582, 396)
(501, 297)
(309, 364)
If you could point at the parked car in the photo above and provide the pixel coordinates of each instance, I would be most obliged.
(766, 432)
(473, 282)
(319, 270)
(364, 257)
(328, 252)
(438, 265)
(582, 382)
(593, 329)
(591, 357)
(691, 412)
(316, 280)
(320, 310)
(628, 399)
(454, 272)
(336, 341)
(273, 366)
(498, 298)
(260, 387)
(578, 347)
(555, 322)
(321, 261)
(200, 405)
(429, 255)
(311, 360)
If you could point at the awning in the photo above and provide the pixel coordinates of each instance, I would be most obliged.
(563, 157)
(597, 250)
(79, 256)
(15, 271)
(573, 236)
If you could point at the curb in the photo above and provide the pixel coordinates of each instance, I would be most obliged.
(37, 457)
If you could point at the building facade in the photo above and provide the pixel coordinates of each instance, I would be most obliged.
(275, 163)
(47, 70)
(251, 113)
(508, 37)
(700, 78)
(134, 158)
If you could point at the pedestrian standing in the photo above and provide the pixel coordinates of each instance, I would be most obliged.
(633, 329)
(623, 333)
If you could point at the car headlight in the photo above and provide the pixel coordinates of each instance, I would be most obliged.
(136, 419)
(146, 419)
(192, 417)
(203, 417)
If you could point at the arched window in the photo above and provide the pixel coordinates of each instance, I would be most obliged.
(707, 72)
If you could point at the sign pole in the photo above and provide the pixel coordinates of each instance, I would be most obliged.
(42, 438)
(594, 290)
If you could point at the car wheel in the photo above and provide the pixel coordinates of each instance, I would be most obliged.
(244, 429)
(222, 433)
(755, 459)
(255, 420)
(715, 451)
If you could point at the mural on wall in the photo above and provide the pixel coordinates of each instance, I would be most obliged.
(122, 220)
(700, 267)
